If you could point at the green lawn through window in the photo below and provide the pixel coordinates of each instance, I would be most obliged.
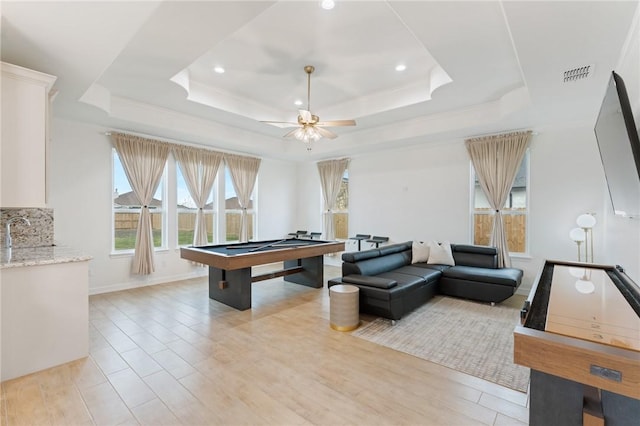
(125, 239)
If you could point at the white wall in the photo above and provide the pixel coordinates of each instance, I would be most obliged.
(412, 194)
(424, 193)
(80, 192)
(309, 201)
(416, 193)
(277, 196)
(567, 180)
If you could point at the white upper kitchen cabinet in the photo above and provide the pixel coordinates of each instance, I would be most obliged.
(23, 148)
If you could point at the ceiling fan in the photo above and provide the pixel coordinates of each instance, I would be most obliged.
(309, 127)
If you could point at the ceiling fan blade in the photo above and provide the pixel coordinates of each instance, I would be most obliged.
(309, 126)
(325, 133)
(337, 123)
(291, 134)
(281, 124)
(306, 115)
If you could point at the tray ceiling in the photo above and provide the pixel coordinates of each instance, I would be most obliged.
(471, 67)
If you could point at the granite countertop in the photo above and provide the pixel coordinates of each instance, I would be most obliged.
(33, 256)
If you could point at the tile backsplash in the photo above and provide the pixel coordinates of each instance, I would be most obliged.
(39, 234)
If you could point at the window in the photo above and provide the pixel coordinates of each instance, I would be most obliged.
(126, 210)
(515, 212)
(233, 212)
(341, 211)
(186, 211)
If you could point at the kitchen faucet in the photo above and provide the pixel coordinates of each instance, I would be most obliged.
(7, 234)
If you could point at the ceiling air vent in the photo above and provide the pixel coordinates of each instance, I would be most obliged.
(578, 73)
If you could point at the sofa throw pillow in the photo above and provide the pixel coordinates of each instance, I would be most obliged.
(440, 254)
(419, 252)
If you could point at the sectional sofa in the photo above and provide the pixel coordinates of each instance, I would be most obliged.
(392, 286)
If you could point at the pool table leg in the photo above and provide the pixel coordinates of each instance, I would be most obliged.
(313, 274)
(233, 288)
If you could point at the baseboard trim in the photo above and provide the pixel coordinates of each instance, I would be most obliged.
(201, 272)
(523, 290)
(155, 281)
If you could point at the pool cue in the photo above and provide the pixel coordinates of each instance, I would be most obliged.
(269, 245)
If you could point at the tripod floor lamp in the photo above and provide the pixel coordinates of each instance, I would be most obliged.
(584, 234)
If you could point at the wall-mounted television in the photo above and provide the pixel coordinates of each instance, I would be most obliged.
(619, 145)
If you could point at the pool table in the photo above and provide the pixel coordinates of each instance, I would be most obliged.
(230, 265)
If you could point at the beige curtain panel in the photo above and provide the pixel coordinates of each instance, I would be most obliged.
(331, 172)
(199, 168)
(496, 160)
(243, 171)
(143, 161)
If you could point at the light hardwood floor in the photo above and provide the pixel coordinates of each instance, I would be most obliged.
(167, 355)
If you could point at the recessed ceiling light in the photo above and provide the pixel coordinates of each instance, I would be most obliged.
(401, 67)
(298, 102)
(219, 70)
(327, 4)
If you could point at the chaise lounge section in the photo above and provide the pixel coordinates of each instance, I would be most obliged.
(392, 286)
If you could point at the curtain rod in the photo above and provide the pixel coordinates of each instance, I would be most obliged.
(145, 135)
(175, 142)
(335, 159)
(504, 132)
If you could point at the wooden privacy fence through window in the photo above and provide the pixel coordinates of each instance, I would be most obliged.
(186, 221)
(341, 225)
(130, 220)
(514, 225)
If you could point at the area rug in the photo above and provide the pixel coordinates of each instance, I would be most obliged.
(470, 337)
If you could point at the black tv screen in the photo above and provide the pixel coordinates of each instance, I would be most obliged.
(619, 145)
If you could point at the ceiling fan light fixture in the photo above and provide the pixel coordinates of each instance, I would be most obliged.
(307, 134)
(299, 134)
(315, 135)
(310, 128)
